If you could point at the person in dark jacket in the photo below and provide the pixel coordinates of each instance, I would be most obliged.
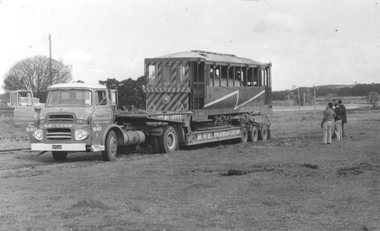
(338, 121)
(344, 120)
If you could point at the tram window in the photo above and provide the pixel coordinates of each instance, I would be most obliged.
(256, 76)
(201, 76)
(181, 74)
(244, 76)
(166, 74)
(231, 77)
(250, 77)
(239, 76)
(224, 75)
(213, 79)
(216, 77)
(152, 74)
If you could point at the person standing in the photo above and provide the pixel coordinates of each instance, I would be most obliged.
(344, 120)
(338, 121)
(327, 123)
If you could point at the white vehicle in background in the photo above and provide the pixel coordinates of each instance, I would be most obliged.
(22, 99)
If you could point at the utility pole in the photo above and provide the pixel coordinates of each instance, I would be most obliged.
(314, 101)
(369, 103)
(50, 73)
(299, 100)
(304, 103)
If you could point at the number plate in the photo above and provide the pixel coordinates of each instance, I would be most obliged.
(57, 147)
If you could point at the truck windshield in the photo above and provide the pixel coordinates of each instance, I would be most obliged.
(72, 97)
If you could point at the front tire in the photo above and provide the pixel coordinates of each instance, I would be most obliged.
(168, 142)
(59, 155)
(110, 147)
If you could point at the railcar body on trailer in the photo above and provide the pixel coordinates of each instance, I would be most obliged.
(192, 98)
(210, 85)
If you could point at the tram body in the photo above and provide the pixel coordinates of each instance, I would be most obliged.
(210, 85)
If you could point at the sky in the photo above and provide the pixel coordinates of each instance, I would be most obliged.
(308, 42)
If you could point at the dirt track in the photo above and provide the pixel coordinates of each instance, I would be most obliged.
(291, 182)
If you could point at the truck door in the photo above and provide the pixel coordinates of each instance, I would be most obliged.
(25, 114)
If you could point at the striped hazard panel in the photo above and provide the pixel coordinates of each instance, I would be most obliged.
(170, 89)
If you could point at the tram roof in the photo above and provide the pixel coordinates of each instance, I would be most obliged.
(77, 86)
(205, 56)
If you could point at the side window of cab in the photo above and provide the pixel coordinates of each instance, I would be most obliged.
(101, 98)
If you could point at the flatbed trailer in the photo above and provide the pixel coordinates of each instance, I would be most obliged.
(192, 98)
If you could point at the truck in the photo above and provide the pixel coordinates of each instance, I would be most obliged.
(192, 98)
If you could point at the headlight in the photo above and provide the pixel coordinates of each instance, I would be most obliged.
(80, 134)
(38, 134)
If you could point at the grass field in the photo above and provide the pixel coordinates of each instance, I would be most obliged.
(290, 182)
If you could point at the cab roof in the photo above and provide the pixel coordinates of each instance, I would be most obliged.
(77, 86)
(210, 57)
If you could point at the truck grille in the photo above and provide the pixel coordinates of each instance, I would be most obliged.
(58, 134)
(61, 118)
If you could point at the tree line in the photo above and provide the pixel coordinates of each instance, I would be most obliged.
(303, 95)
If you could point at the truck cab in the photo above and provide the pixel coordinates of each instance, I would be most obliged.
(76, 117)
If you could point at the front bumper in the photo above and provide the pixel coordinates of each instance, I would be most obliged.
(58, 147)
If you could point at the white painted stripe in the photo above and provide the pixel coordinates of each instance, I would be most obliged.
(223, 98)
(251, 99)
(237, 99)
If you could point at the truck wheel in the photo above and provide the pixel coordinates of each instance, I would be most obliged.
(111, 147)
(244, 135)
(168, 142)
(263, 134)
(253, 135)
(59, 155)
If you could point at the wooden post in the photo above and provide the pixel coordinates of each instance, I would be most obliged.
(299, 100)
(315, 111)
(304, 103)
(50, 73)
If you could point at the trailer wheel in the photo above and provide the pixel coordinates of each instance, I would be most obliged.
(111, 147)
(263, 134)
(59, 155)
(168, 142)
(253, 135)
(244, 135)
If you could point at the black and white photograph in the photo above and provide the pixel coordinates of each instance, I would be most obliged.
(187, 115)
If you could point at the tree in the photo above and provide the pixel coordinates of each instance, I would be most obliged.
(131, 94)
(373, 98)
(34, 74)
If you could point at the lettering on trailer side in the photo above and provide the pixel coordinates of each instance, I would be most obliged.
(169, 117)
(216, 135)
